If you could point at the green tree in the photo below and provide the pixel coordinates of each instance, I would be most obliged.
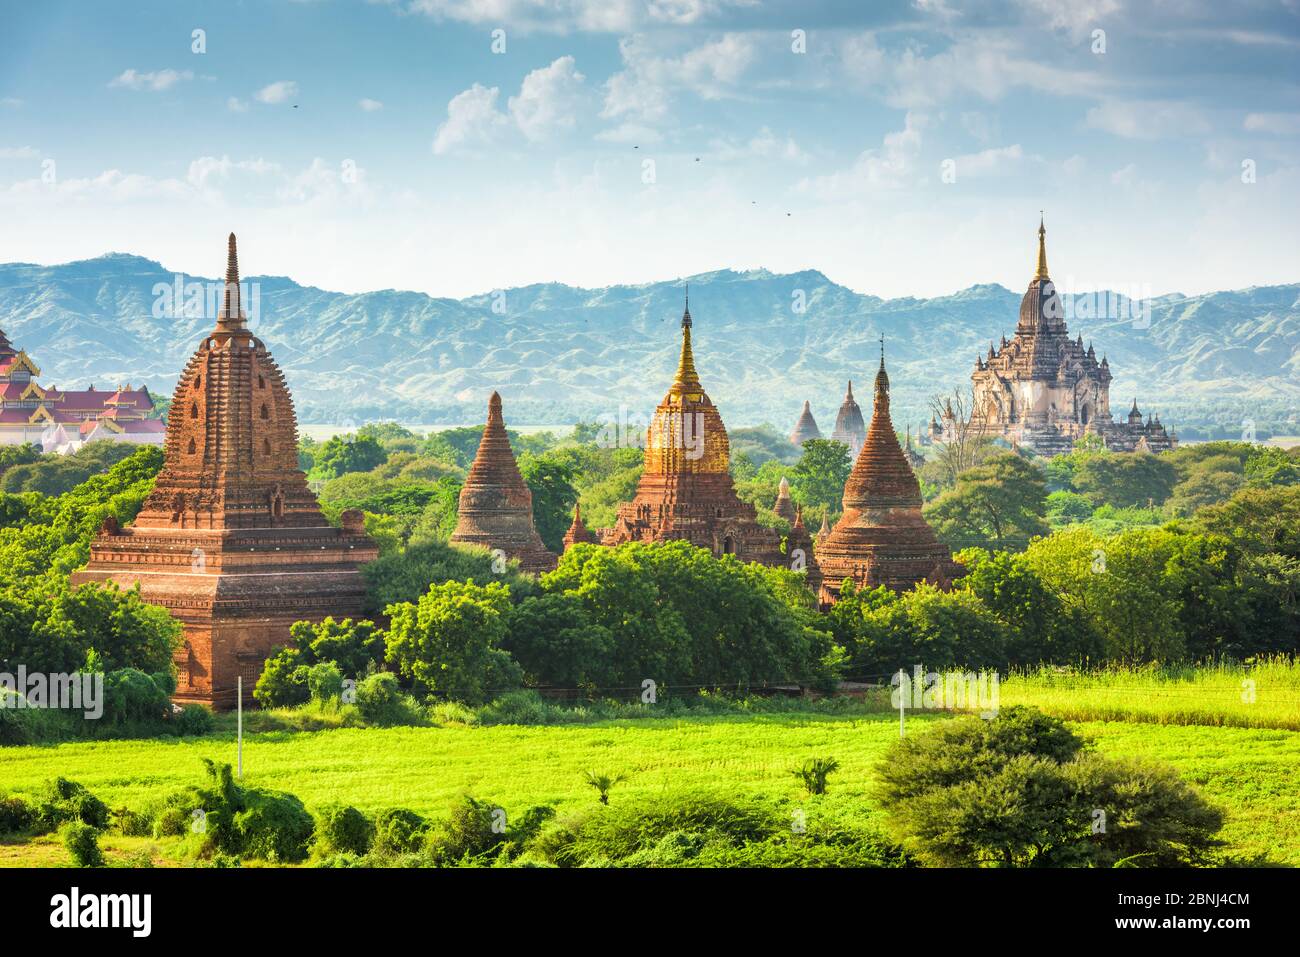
(818, 478)
(348, 453)
(999, 504)
(1125, 479)
(551, 481)
(450, 640)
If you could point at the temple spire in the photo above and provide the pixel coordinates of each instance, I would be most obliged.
(686, 377)
(1042, 248)
(231, 316)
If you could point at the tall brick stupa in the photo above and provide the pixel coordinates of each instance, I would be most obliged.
(882, 538)
(686, 492)
(496, 505)
(231, 540)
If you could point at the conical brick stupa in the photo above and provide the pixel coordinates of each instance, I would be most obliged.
(882, 538)
(496, 505)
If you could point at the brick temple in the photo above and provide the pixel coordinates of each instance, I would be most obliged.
(849, 426)
(231, 540)
(882, 538)
(496, 504)
(806, 426)
(686, 492)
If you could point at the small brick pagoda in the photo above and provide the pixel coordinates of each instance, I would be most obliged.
(882, 538)
(849, 427)
(686, 492)
(578, 531)
(496, 504)
(800, 552)
(231, 541)
(784, 505)
(806, 427)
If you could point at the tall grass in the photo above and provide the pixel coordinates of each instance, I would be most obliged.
(1260, 694)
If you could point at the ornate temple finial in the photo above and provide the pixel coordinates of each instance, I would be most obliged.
(686, 375)
(231, 316)
(882, 377)
(1042, 248)
(849, 395)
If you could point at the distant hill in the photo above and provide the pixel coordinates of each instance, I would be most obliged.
(558, 353)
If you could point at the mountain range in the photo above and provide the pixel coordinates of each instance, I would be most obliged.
(764, 342)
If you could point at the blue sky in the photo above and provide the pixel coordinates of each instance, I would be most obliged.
(902, 148)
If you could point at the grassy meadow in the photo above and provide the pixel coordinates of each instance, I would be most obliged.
(1249, 771)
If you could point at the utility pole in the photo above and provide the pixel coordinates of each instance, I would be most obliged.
(239, 725)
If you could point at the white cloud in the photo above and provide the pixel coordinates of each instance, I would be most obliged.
(153, 82)
(1285, 124)
(766, 145)
(10, 102)
(472, 119)
(236, 105)
(1147, 119)
(19, 152)
(369, 105)
(630, 133)
(278, 92)
(209, 170)
(566, 16)
(988, 67)
(1075, 165)
(891, 166)
(1076, 16)
(642, 92)
(990, 162)
(548, 99)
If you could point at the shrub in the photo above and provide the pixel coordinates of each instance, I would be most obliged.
(473, 831)
(1018, 791)
(956, 751)
(273, 825)
(283, 682)
(82, 842)
(174, 814)
(398, 831)
(1152, 817)
(343, 829)
(193, 721)
(325, 682)
(131, 823)
(67, 801)
(380, 702)
(15, 815)
(132, 695)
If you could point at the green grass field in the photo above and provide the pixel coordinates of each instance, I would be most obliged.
(1250, 772)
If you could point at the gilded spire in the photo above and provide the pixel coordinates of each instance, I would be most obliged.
(882, 379)
(1042, 249)
(231, 316)
(687, 377)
